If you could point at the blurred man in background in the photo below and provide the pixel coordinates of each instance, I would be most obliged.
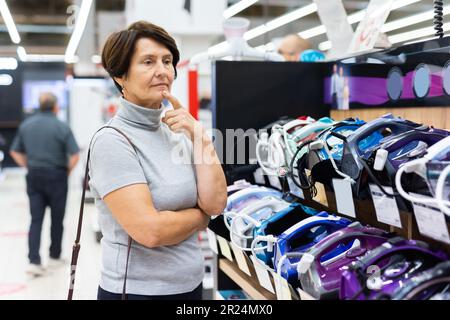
(292, 46)
(47, 148)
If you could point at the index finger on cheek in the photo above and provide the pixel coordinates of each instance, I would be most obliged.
(174, 101)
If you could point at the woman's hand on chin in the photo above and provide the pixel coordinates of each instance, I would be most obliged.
(180, 120)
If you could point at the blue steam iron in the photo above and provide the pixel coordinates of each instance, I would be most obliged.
(300, 238)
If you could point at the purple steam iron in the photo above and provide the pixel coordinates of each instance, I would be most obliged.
(394, 263)
(396, 150)
(426, 285)
(322, 279)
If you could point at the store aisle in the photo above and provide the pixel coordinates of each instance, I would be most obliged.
(14, 222)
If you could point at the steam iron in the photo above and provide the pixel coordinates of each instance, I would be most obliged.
(396, 150)
(427, 285)
(397, 261)
(324, 155)
(237, 201)
(321, 278)
(271, 228)
(296, 240)
(272, 151)
(245, 220)
(354, 151)
(430, 167)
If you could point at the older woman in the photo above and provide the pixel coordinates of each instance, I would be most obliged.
(146, 191)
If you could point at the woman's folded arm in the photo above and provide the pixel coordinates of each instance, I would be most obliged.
(133, 209)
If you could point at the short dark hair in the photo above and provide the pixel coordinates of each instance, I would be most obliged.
(47, 101)
(119, 47)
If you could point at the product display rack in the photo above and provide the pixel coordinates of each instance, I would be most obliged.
(300, 92)
(365, 213)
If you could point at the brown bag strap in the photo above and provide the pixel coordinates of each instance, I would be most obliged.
(76, 247)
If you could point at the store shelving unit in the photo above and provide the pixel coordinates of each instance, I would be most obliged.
(249, 284)
(273, 90)
(365, 213)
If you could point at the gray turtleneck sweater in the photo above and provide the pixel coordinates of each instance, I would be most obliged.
(114, 164)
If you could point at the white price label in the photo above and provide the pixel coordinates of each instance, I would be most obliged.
(262, 274)
(275, 182)
(259, 176)
(212, 241)
(281, 287)
(225, 248)
(386, 207)
(303, 295)
(240, 258)
(344, 197)
(431, 221)
(294, 189)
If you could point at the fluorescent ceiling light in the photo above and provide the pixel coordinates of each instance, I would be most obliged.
(78, 31)
(37, 28)
(238, 7)
(353, 18)
(5, 80)
(414, 34)
(280, 21)
(325, 46)
(8, 19)
(313, 32)
(420, 40)
(271, 25)
(48, 58)
(8, 64)
(401, 37)
(411, 20)
(22, 54)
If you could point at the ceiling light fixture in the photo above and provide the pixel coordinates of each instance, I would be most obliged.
(5, 80)
(414, 34)
(272, 25)
(8, 63)
(10, 25)
(80, 25)
(22, 53)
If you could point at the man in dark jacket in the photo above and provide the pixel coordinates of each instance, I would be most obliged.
(47, 148)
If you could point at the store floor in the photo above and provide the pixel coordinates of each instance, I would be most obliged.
(14, 223)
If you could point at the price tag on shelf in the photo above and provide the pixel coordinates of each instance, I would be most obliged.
(275, 182)
(281, 287)
(321, 196)
(259, 176)
(240, 259)
(294, 189)
(385, 207)
(225, 248)
(303, 295)
(212, 240)
(344, 197)
(431, 221)
(262, 274)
